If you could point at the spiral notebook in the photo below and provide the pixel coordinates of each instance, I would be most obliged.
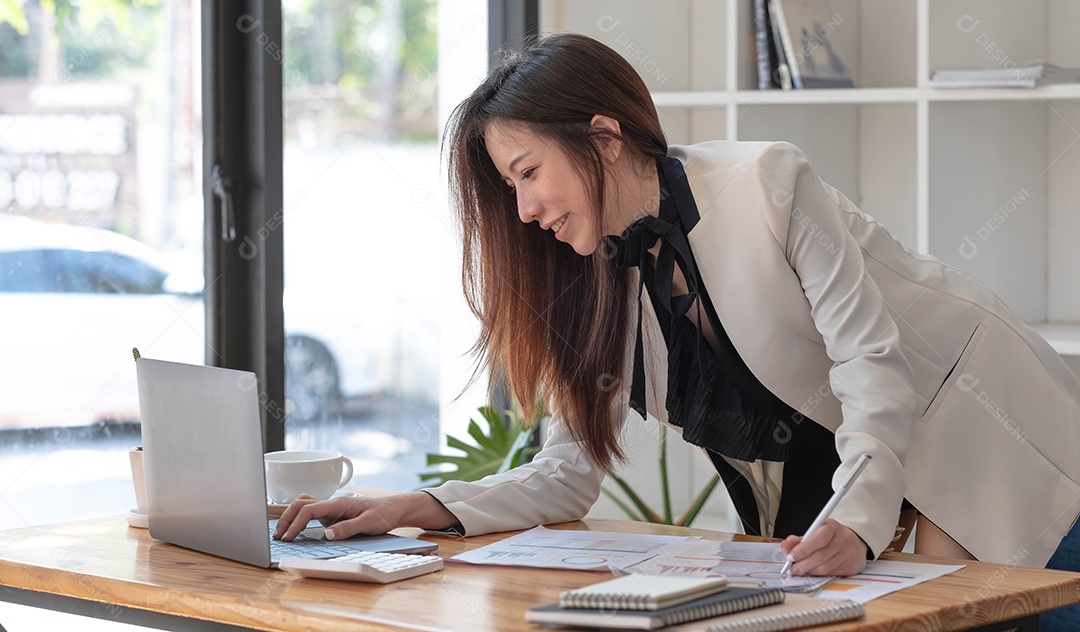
(797, 611)
(642, 592)
(731, 600)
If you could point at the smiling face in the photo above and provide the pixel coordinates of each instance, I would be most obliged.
(548, 187)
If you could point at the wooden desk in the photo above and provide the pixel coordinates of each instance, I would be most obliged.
(104, 568)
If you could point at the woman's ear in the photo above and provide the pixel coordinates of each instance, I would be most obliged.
(607, 135)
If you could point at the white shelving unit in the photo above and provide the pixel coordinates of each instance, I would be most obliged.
(987, 180)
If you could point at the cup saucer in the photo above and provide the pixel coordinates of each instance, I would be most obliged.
(137, 520)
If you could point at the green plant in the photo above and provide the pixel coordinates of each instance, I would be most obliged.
(497, 450)
(644, 512)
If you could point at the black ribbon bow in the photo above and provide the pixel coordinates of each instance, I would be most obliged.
(712, 395)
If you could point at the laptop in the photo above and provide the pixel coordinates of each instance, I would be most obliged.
(205, 478)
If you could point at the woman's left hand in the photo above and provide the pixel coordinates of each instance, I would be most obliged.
(832, 549)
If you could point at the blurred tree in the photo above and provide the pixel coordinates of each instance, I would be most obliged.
(362, 67)
(55, 39)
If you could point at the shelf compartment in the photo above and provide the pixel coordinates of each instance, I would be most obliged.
(989, 216)
(866, 151)
(681, 47)
(1003, 34)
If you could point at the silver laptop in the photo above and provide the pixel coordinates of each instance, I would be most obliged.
(205, 479)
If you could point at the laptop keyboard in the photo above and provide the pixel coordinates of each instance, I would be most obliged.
(307, 547)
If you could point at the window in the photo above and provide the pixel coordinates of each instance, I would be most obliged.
(372, 293)
(100, 240)
(102, 176)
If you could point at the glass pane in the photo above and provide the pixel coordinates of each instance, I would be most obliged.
(367, 234)
(100, 240)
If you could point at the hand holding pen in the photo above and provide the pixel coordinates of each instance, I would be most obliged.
(829, 507)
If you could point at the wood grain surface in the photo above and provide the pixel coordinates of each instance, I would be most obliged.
(104, 560)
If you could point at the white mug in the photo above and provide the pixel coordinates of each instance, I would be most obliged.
(138, 479)
(318, 473)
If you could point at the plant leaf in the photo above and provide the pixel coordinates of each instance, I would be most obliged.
(448, 459)
(621, 505)
(692, 512)
(665, 493)
(650, 515)
(486, 441)
(469, 450)
(495, 449)
(495, 425)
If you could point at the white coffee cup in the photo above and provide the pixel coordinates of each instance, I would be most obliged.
(137, 517)
(318, 473)
(138, 479)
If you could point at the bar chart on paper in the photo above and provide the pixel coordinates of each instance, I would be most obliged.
(512, 555)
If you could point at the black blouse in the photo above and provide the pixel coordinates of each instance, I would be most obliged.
(712, 395)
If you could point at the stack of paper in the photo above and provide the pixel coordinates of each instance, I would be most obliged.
(1028, 76)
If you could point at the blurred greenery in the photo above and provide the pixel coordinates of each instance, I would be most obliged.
(95, 38)
(497, 450)
(342, 45)
(350, 67)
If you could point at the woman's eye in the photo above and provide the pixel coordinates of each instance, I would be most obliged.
(528, 173)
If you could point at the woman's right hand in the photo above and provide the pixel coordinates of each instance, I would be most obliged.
(348, 516)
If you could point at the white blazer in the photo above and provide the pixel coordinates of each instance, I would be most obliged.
(965, 410)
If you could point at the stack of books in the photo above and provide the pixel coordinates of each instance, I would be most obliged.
(1027, 76)
(650, 602)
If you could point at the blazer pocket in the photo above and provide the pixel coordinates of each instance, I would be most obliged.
(954, 373)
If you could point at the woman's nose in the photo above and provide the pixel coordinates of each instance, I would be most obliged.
(528, 206)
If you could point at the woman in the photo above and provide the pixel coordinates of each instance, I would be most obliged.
(751, 306)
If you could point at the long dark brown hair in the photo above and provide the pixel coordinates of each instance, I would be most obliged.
(553, 322)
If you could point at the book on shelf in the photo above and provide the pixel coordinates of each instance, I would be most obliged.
(1031, 75)
(803, 30)
(768, 67)
(642, 592)
(734, 599)
(795, 612)
(782, 72)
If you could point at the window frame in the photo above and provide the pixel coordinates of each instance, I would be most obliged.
(242, 132)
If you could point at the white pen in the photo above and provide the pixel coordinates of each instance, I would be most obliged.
(829, 506)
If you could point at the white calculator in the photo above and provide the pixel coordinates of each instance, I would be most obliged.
(363, 566)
